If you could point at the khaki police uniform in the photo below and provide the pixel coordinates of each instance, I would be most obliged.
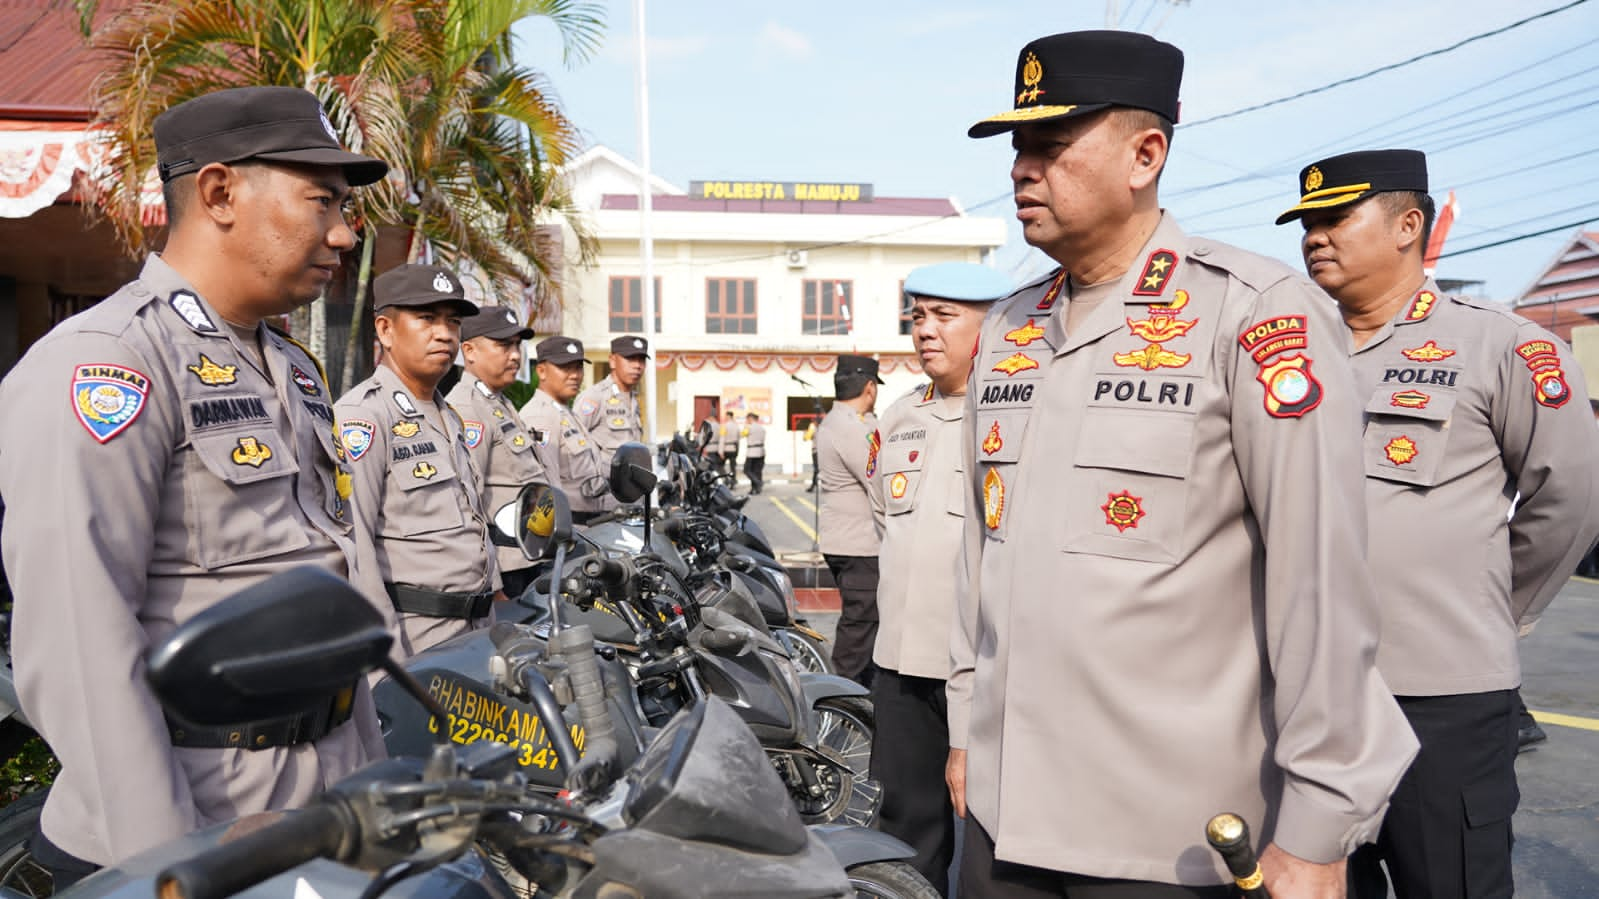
(1166, 612)
(425, 518)
(568, 451)
(611, 416)
(502, 452)
(846, 459)
(154, 462)
(755, 454)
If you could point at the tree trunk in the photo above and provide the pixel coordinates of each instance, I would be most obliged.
(364, 277)
(317, 338)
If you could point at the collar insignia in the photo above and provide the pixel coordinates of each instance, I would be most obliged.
(212, 374)
(1158, 270)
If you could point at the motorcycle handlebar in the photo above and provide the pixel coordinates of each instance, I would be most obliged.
(322, 830)
(610, 572)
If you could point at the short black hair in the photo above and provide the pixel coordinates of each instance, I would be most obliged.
(1399, 202)
(848, 387)
(1132, 121)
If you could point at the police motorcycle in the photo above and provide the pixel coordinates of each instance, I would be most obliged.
(705, 520)
(661, 651)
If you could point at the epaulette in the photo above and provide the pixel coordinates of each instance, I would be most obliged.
(1253, 269)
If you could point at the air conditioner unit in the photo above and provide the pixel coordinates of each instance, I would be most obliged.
(797, 258)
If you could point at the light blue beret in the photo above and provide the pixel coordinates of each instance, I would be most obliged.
(964, 282)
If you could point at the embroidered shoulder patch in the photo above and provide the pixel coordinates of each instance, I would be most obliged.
(356, 435)
(1549, 385)
(1291, 390)
(473, 432)
(107, 398)
(874, 442)
(587, 407)
(1265, 339)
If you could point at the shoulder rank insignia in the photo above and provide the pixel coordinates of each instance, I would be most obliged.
(1158, 270)
(1421, 306)
(403, 403)
(1053, 293)
(1291, 390)
(1401, 450)
(107, 398)
(1016, 362)
(405, 428)
(484, 389)
(307, 384)
(472, 431)
(356, 435)
(1123, 510)
(188, 308)
(251, 452)
(1428, 352)
(212, 374)
(424, 471)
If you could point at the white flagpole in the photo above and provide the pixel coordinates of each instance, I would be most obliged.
(653, 427)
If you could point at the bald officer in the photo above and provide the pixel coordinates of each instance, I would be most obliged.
(501, 448)
(1168, 613)
(421, 508)
(1468, 405)
(919, 484)
(609, 409)
(846, 458)
(565, 446)
(166, 449)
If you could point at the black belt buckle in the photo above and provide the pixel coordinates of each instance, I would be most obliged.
(415, 600)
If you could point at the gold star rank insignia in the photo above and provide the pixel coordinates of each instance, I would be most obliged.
(1158, 270)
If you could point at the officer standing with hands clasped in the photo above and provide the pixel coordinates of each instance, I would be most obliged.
(188, 450)
(500, 447)
(420, 505)
(848, 526)
(570, 456)
(1467, 406)
(609, 409)
(1166, 612)
(920, 484)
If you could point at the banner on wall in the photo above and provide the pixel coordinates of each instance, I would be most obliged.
(743, 400)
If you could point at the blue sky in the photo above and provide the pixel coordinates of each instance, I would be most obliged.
(882, 91)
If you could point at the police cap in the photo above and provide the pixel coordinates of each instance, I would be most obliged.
(628, 346)
(496, 323)
(856, 366)
(421, 285)
(276, 124)
(1343, 179)
(559, 350)
(1080, 72)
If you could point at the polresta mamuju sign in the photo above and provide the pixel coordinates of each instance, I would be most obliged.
(827, 191)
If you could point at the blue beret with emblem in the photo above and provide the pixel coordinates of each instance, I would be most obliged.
(964, 282)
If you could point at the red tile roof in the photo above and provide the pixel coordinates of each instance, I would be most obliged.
(46, 66)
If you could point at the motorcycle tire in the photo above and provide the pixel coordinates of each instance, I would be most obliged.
(890, 880)
(845, 729)
(806, 652)
(847, 725)
(18, 871)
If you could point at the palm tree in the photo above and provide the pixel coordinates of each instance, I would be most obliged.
(427, 85)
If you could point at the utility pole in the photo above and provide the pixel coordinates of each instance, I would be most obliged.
(646, 243)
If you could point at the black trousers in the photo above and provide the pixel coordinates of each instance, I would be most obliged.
(856, 579)
(65, 868)
(754, 468)
(1448, 832)
(908, 756)
(984, 877)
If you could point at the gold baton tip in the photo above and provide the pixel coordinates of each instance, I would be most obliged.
(1252, 882)
(1224, 828)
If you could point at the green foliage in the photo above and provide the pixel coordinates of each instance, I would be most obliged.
(519, 392)
(32, 768)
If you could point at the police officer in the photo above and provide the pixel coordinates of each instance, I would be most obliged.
(846, 452)
(186, 451)
(500, 446)
(919, 482)
(1467, 405)
(726, 446)
(754, 435)
(570, 456)
(421, 508)
(1166, 612)
(609, 409)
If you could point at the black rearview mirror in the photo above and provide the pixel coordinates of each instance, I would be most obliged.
(279, 648)
(632, 476)
(544, 520)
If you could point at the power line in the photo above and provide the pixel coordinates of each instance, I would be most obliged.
(1519, 237)
(1387, 68)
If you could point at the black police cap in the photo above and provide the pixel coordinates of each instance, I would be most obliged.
(277, 124)
(1343, 179)
(421, 285)
(495, 323)
(1080, 72)
(559, 350)
(857, 367)
(628, 346)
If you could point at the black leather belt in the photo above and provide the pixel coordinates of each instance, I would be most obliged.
(422, 601)
(307, 727)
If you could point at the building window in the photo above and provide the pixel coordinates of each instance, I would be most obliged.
(904, 309)
(730, 305)
(827, 307)
(627, 304)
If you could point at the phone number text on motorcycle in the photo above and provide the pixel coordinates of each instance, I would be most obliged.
(475, 716)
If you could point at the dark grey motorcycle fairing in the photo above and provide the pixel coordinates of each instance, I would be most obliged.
(457, 673)
(626, 537)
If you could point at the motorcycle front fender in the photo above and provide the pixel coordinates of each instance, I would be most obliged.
(818, 686)
(853, 845)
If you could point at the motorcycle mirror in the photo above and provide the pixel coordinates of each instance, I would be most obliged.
(502, 530)
(543, 520)
(285, 646)
(632, 478)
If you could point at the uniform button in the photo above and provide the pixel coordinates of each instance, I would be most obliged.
(1200, 250)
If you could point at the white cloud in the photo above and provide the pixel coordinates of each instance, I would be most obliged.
(780, 39)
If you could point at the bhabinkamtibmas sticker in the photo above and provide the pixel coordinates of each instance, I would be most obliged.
(475, 716)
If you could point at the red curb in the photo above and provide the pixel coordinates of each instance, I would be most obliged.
(825, 600)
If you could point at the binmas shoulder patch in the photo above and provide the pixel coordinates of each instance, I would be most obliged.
(107, 399)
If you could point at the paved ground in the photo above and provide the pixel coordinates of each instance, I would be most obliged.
(1557, 825)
